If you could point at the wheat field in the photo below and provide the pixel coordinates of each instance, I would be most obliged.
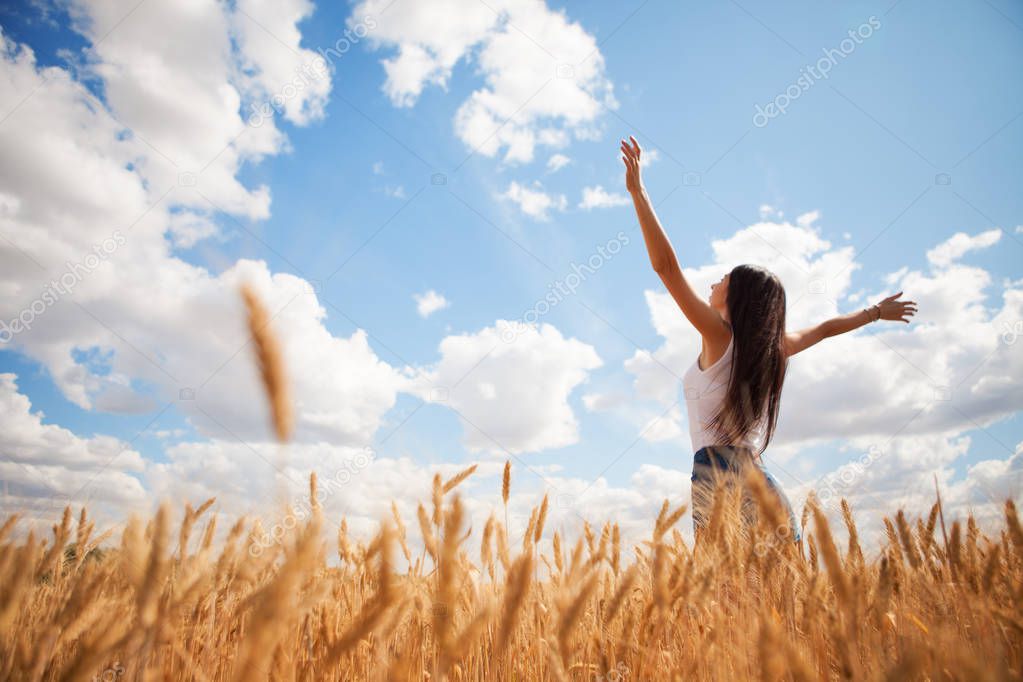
(743, 602)
(169, 604)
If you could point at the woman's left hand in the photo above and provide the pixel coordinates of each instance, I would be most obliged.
(895, 310)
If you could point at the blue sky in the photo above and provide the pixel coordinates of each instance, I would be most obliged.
(930, 92)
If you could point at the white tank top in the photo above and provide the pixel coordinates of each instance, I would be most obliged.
(705, 390)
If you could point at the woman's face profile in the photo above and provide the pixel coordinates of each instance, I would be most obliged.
(719, 294)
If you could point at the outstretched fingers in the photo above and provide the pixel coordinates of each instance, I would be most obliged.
(632, 148)
(628, 151)
(635, 146)
(907, 310)
(630, 160)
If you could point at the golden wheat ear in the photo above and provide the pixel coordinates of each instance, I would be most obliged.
(269, 357)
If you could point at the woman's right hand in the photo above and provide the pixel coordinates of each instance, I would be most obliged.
(630, 157)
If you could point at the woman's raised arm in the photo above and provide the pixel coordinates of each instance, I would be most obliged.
(888, 309)
(662, 256)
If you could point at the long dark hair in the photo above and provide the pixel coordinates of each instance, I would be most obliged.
(756, 310)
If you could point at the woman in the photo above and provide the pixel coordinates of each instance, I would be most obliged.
(733, 389)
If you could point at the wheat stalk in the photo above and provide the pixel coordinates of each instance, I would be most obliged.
(270, 360)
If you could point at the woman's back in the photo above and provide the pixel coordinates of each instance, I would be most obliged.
(705, 390)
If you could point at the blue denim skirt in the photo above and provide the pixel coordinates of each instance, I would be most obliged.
(728, 461)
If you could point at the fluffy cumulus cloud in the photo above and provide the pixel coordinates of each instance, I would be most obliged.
(510, 385)
(960, 244)
(906, 473)
(92, 212)
(360, 485)
(279, 72)
(991, 481)
(533, 200)
(543, 74)
(341, 388)
(42, 465)
(598, 197)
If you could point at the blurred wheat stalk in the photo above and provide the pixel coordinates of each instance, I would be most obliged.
(270, 359)
(744, 603)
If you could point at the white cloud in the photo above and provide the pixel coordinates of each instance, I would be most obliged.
(430, 302)
(598, 197)
(664, 427)
(192, 122)
(879, 478)
(959, 244)
(43, 466)
(165, 325)
(187, 229)
(543, 74)
(169, 433)
(525, 382)
(556, 162)
(991, 481)
(278, 70)
(533, 201)
(341, 388)
(600, 402)
(359, 485)
(808, 219)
